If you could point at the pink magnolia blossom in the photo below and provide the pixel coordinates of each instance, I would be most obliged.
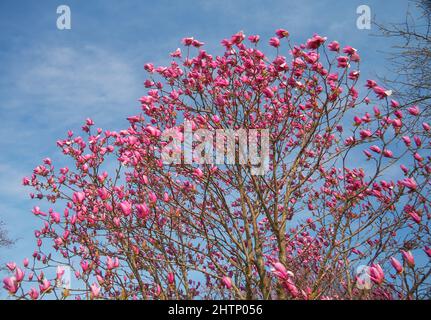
(254, 38)
(78, 197)
(227, 282)
(112, 263)
(275, 42)
(343, 62)
(10, 284)
(417, 218)
(414, 110)
(187, 41)
(198, 173)
(11, 266)
(407, 140)
(376, 149)
(409, 183)
(95, 290)
(334, 46)
(126, 208)
(19, 275)
(171, 278)
(143, 210)
(408, 258)
(36, 211)
(381, 92)
(388, 153)
(315, 42)
(282, 33)
(376, 274)
(33, 293)
(45, 286)
(397, 265)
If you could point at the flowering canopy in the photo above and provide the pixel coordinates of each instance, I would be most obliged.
(347, 185)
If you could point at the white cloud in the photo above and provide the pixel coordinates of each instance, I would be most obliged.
(65, 84)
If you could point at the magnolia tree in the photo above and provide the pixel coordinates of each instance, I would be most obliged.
(333, 202)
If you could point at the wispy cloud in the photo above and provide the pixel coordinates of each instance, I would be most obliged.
(63, 85)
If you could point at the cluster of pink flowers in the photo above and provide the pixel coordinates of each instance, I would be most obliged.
(130, 227)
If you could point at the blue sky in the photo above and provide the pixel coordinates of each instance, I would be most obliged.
(51, 80)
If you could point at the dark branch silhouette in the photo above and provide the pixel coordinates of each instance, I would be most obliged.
(4, 239)
(410, 61)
